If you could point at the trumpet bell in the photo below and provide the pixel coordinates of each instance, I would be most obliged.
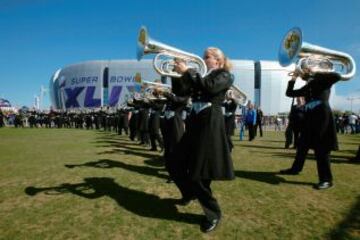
(290, 47)
(141, 43)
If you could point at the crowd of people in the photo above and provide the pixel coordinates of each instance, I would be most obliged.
(347, 123)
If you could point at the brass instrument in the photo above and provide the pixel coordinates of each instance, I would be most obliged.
(154, 91)
(236, 94)
(164, 61)
(315, 58)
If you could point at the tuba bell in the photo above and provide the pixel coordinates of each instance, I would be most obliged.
(164, 61)
(316, 58)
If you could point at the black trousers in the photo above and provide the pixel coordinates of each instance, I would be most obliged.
(202, 191)
(251, 129)
(144, 137)
(288, 136)
(322, 161)
(296, 137)
(258, 125)
(133, 132)
(155, 136)
(209, 204)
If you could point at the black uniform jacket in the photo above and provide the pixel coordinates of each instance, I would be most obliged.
(204, 146)
(319, 126)
(174, 126)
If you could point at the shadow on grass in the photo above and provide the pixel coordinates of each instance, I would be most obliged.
(137, 202)
(273, 141)
(107, 163)
(356, 143)
(349, 228)
(267, 177)
(155, 162)
(120, 143)
(337, 159)
(125, 146)
(260, 146)
(135, 152)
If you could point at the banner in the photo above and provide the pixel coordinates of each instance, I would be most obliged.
(81, 88)
(125, 82)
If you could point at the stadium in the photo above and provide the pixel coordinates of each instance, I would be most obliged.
(99, 83)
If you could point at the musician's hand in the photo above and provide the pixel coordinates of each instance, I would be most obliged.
(180, 66)
(168, 95)
(158, 91)
(294, 75)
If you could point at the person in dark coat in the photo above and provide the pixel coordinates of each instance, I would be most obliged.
(174, 124)
(204, 152)
(123, 120)
(154, 124)
(319, 131)
(1, 119)
(250, 121)
(296, 122)
(134, 118)
(143, 123)
(230, 105)
(259, 117)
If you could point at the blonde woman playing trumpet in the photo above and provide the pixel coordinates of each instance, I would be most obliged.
(204, 153)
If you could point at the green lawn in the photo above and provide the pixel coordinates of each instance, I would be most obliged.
(79, 184)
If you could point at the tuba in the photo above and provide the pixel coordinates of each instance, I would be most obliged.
(316, 58)
(237, 95)
(164, 60)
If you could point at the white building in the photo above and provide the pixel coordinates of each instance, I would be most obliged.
(94, 84)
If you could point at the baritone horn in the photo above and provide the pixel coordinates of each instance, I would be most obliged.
(164, 61)
(155, 91)
(237, 95)
(317, 59)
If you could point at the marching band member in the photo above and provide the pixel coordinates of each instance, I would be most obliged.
(156, 105)
(205, 144)
(174, 125)
(230, 106)
(319, 131)
(134, 118)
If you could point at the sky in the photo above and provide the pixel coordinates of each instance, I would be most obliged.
(37, 37)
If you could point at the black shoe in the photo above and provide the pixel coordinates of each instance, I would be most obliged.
(323, 185)
(185, 201)
(208, 226)
(153, 149)
(288, 171)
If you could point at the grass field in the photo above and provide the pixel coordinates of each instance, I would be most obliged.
(79, 184)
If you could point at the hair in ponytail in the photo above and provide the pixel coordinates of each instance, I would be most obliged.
(220, 56)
